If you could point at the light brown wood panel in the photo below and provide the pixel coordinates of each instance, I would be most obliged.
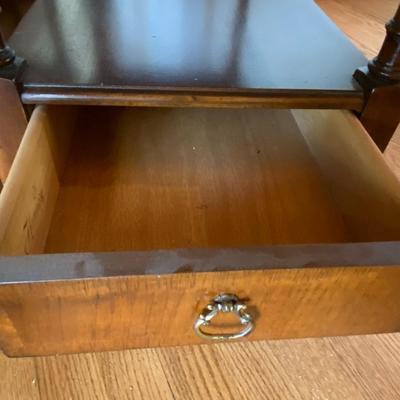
(168, 178)
(125, 312)
(392, 153)
(366, 191)
(29, 195)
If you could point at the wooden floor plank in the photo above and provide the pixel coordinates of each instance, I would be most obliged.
(372, 362)
(366, 33)
(18, 379)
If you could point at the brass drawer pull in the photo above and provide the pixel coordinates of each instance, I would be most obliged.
(224, 303)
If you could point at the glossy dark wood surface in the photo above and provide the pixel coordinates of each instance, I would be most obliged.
(224, 46)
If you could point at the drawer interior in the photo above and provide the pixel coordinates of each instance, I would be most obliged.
(113, 179)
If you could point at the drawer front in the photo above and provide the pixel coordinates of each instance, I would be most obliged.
(160, 310)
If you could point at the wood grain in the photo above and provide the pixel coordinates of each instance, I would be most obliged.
(221, 178)
(30, 192)
(392, 153)
(18, 380)
(361, 184)
(195, 162)
(168, 178)
(124, 312)
(381, 115)
(168, 171)
(215, 178)
(173, 178)
(285, 99)
(357, 367)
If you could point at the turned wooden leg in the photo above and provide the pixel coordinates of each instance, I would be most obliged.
(7, 55)
(10, 65)
(381, 83)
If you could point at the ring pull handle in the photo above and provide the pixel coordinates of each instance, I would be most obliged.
(225, 303)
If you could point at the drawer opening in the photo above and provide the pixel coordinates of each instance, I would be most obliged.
(114, 179)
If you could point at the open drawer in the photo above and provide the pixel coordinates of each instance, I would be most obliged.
(119, 225)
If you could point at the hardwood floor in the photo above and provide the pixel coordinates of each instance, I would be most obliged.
(333, 368)
(359, 367)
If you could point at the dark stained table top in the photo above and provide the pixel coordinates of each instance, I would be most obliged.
(224, 46)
